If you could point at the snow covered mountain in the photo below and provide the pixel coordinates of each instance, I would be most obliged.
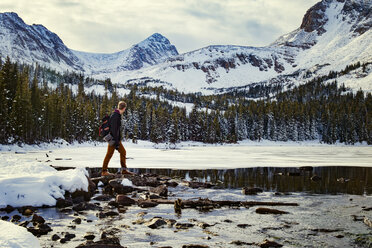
(35, 43)
(153, 50)
(333, 35)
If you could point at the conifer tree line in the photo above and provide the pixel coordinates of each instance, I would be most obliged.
(32, 111)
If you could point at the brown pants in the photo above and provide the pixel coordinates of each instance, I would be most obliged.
(110, 152)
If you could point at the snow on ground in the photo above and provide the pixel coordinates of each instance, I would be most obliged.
(193, 155)
(14, 236)
(28, 181)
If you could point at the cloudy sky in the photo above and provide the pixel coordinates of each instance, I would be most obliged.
(114, 25)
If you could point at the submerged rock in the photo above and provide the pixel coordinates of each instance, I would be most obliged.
(269, 211)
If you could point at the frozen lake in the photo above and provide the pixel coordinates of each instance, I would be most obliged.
(189, 156)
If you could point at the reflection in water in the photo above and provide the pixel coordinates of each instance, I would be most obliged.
(350, 180)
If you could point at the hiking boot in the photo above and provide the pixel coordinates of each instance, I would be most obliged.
(124, 171)
(106, 173)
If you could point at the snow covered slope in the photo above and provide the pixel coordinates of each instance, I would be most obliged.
(34, 43)
(153, 50)
(333, 35)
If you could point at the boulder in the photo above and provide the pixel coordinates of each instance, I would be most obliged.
(77, 221)
(15, 218)
(123, 200)
(37, 219)
(161, 190)
(111, 213)
(251, 190)
(89, 236)
(155, 222)
(69, 236)
(119, 188)
(63, 203)
(40, 229)
(55, 237)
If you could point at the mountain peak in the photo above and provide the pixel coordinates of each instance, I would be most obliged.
(156, 37)
(316, 17)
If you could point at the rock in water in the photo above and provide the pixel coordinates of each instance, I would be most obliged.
(269, 211)
(161, 190)
(269, 244)
(104, 243)
(124, 200)
(251, 191)
(156, 222)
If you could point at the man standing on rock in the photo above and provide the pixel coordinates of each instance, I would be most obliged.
(115, 124)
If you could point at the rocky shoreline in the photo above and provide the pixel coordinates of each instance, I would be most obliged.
(112, 197)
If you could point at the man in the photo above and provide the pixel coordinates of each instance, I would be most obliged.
(115, 124)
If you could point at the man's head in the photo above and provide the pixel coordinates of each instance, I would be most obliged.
(122, 106)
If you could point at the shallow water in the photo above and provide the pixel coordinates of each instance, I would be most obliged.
(334, 179)
(327, 204)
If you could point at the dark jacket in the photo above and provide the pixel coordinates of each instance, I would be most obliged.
(115, 124)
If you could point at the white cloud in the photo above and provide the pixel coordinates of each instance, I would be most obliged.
(114, 25)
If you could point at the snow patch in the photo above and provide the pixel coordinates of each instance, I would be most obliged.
(14, 236)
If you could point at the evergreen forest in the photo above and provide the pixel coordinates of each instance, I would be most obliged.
(38, 105)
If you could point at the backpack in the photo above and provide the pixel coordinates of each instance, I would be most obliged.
(104, 128)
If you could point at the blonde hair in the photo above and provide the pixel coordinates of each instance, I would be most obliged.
(122, 105)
